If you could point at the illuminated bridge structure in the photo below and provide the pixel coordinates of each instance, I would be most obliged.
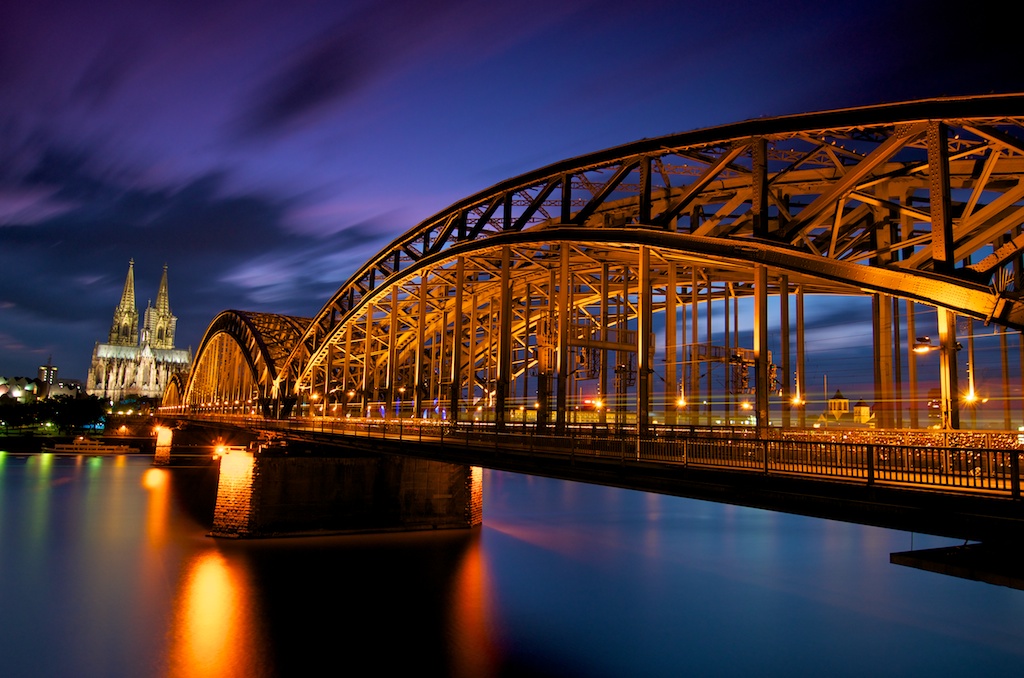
(597, 282)
(660, 286)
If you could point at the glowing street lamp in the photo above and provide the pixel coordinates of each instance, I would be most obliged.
(924, 345)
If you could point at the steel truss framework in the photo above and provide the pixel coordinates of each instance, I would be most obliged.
(516, 301)
(236, 363)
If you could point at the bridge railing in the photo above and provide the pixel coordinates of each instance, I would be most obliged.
(836, 456)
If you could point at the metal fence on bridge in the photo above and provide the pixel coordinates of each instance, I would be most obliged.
(838, 456)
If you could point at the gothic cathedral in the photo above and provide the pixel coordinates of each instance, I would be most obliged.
(133, 365)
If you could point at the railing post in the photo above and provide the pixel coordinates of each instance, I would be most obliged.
(871, 464)
(764, 449)
(1015, 478)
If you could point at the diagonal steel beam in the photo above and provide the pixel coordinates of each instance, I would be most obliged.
(818, 211)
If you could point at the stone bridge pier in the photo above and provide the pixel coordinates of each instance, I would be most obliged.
(272, 489)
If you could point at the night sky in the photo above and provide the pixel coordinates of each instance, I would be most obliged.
(263, 150)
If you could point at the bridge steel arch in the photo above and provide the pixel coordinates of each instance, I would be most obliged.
(174, 394)
(511, 302)
(236, 365)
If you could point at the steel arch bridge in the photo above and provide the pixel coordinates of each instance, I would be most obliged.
(571, 287)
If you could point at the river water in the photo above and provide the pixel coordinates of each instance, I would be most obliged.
(106, 570)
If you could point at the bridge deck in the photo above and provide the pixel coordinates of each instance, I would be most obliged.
(949, 490)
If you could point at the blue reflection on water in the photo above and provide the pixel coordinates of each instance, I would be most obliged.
(105, 570)
(673, 585)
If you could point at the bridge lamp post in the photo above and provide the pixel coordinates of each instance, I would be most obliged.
(681, 400)
(401, 395)
(798, 398)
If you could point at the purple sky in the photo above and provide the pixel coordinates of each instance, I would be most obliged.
(263, 150)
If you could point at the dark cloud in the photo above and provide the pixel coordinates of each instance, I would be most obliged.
(331, 70)
(361, 48)
(334, 65)
(107, 70)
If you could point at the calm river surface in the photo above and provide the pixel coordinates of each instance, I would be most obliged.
(105, 570)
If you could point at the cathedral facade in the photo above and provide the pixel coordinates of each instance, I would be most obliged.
(131, 363)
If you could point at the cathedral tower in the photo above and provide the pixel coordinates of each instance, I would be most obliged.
(158, 325)
(124, 366)
(124, 331)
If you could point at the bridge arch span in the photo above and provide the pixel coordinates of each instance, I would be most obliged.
(503, 302)
(174, 394)
(236, 364)
(853, 185)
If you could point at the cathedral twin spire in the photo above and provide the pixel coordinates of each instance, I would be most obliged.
(158, 325)
(124, 331)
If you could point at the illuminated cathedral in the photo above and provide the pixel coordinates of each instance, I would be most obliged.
(134, 364)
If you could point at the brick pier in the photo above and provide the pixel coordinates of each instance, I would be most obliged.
(268, 491)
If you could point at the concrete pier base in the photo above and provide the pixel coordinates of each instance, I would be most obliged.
(164, 440)
(266, 492)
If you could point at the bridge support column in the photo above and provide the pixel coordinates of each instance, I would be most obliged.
(164, 439)
(761, 386)
(391, 376)
(882, 322)
(420, 382)
(455, 394)
(692, 353)
(787, 396)
(643, 338)
(265, 493)
(912, 363)
(801, 369)
(673, 396)
(504, 376)
(948, 387)
(364, 398)
(563, 318)
(602, 383)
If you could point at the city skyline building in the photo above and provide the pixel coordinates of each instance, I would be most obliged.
(48, 375)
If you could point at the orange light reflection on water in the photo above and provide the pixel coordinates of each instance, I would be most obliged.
(156, 481)
(215, 629)
(473, 652)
